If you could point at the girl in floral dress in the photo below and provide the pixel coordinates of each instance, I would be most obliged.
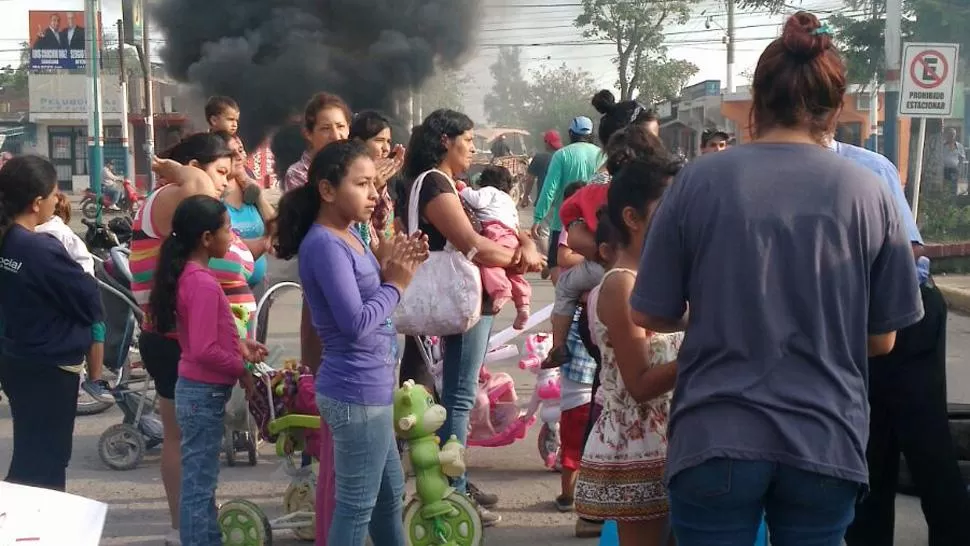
(621, 473)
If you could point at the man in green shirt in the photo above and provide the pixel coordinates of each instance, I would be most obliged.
(576, 162)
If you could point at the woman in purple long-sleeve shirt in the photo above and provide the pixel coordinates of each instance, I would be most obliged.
(351, 296)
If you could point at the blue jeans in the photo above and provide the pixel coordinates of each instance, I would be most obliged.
(112, 192)
(721, 501)
(464, 354)
(367, 467)
(199, 409)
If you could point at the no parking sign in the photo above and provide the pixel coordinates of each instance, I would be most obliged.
(928, 80)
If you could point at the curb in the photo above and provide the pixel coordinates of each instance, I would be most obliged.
(957, 299)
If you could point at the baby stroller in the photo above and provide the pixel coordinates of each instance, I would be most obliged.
(241, 432)
(122, 446)
(498, 419)
(282, 410)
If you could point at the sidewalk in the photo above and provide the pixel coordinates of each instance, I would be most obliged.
(956, 290)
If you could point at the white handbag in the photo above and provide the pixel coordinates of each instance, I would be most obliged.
(445, 296)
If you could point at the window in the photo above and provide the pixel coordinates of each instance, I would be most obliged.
(863, 101)
(850, 133)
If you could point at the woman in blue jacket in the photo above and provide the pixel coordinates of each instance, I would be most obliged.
(47, 307)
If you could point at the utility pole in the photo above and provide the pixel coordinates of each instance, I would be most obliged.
(144, 52)
(92, 11)
(123, 80)
(894, 17)
(730, 46)
(874, 114)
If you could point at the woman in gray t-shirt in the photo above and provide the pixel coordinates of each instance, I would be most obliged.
(796, 269)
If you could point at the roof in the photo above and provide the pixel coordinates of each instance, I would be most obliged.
(491, 133)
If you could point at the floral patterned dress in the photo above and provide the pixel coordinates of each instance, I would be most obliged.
(622, 469)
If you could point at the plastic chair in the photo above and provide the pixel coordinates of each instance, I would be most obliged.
(610, 538)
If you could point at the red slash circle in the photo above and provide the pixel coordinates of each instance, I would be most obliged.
(920, 67)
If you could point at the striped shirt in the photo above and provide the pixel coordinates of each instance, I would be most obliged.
(232, 271)
(296, 175)
(145, 246)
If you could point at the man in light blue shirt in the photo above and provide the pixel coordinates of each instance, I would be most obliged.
(907, 398)
(575, 162)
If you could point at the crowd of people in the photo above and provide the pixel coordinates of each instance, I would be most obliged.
(752, 336)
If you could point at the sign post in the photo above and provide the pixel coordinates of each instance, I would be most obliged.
(929, 75)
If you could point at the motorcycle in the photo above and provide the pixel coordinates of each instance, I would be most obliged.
(100, 238)
(129, 201)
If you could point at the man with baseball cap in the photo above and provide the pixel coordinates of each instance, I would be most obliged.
(714, 140)
(539, 166)
(576, 162)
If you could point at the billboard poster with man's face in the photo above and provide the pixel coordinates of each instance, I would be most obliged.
(58, 40)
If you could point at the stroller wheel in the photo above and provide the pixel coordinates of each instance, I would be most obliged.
(549, 447)
(461, 527)
(251, 449)
(121, 447)
(231, 454)
(300, 496)
(242, 523)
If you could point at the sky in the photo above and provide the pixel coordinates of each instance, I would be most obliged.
(536, 25)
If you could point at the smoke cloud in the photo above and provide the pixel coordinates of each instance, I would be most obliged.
(272, 55)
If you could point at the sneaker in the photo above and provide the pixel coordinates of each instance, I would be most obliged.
(564, 503)
(588, 529)
(488, 517)
(99, 390)
(486, 500)
(173, 538)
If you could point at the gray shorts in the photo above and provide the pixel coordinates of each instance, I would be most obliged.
(573, 283)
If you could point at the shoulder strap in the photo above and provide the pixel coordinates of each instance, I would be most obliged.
(415, 198)
(147, 221)
(616, 270)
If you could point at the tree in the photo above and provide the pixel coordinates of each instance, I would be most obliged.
(503, 105)
(636, 28)
(557, 95)
(13, 80)
(444, 90)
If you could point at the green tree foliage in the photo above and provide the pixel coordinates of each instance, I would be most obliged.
(510, 90)
(557, 96)
(13, 79)
(636, 28)
(444, 90)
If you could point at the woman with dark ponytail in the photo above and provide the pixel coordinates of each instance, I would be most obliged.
(48, 305)
(796, 268)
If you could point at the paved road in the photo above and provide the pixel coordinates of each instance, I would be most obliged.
(138, 516)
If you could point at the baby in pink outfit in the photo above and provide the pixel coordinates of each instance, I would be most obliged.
(499, 216)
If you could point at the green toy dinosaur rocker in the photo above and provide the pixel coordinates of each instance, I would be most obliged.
(437, 515)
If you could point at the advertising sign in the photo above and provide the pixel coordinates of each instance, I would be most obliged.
(57, 40)
(133, 15)
(929, 75)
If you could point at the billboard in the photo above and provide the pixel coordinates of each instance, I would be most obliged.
(133, 14)
(57, 40)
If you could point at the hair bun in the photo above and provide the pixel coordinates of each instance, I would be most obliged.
(604, 101)
(801, 36)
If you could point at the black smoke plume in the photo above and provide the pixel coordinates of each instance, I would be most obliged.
(272, 55)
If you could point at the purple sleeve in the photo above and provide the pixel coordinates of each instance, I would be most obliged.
(333, 272)
(661, 286)
(203, 306)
